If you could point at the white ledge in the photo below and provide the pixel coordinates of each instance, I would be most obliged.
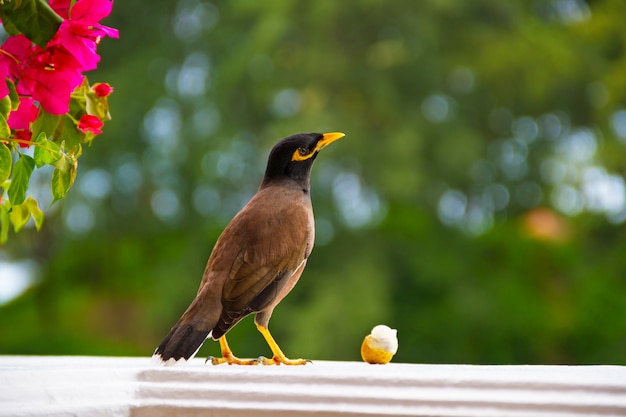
(103, 386)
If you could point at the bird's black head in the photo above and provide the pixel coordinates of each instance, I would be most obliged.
(292, 157)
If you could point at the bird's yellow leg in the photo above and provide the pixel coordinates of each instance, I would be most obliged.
(279, 356)
(228, 357)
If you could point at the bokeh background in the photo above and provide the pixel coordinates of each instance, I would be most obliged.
(477, 203)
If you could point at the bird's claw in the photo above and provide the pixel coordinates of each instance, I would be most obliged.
(277, 360)
(214, 360)
(286, 361)
(264, 361)
(231, 360)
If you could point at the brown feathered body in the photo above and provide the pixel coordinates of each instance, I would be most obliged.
(250, 270)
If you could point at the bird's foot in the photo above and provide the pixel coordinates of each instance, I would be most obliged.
(228, 357)
(232, 360)
(282, 360)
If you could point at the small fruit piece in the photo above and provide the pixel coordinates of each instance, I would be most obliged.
(380, 345)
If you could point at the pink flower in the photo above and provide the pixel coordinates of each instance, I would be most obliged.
(48, 76)
(53, 89)
(25, 114)
(81, 33)
(90, 124)
(61, 7)
(4, 73)
(102, 90)
(16, 50)
(20, 120)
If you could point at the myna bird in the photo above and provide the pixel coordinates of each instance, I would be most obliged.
(257, 260)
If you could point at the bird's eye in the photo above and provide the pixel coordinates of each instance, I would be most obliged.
(301, 154)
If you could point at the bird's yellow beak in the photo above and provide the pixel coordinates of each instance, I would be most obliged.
(327, 139)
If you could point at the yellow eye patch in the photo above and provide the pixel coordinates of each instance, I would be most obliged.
(302, 154)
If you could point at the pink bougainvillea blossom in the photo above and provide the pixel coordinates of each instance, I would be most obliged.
(90, 124)
(53, 90)
(81, 33)
(21, 119)
(50, 75)
(47, 75)
(15, 51)
(91, 12)
(24, 115)
(4, 73)
(61, 7)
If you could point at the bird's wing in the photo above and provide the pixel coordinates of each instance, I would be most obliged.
(267, 257)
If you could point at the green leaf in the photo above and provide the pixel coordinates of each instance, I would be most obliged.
(60, 184)
(8, 26)
(4, 222)
(46, 123)
(63, 176)
(69, 134)
(19, 216)
(5, 130)
(15, 99)
(22, 171)
(6, 161)
(33, 18)
(5, 106)
(35, 211)
(46, 151)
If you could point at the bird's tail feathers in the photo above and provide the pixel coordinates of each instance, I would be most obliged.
(181, 344)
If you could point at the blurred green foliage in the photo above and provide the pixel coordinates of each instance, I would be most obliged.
(477, 203)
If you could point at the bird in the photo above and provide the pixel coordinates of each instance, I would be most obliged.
(256, 261)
